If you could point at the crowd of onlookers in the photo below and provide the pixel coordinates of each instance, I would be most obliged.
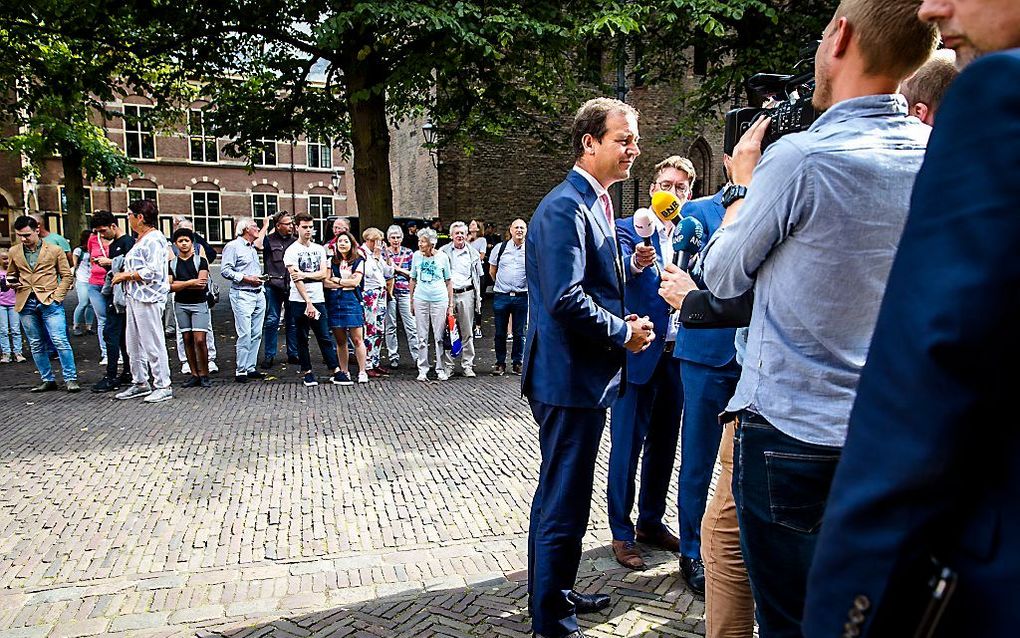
(135, 289)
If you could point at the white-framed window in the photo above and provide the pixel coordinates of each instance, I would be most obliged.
(268, 155)
(320, 154)
(203, 144)
(205, 215)
(138, 194)
(264, 205)
(139, 142)
(86, 197)
(320, 207)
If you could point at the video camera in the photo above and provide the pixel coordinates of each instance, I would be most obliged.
(792, 114)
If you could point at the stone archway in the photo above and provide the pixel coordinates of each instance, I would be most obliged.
(700, 155)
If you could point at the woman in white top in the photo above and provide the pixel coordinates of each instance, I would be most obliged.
(378, 274)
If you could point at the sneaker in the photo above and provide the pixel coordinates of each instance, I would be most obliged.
(159, 395)
(185, 368)
(125, 378)
(205, 382)
(341, 378)
(423, 376)
(267, 363)
(442, 375)
(517, 369)
(362, 377)
(213, 368)
(469, 373)
(135, 391)
(5, 358)
(106, 384)
(192, 382)
(394, 364)
(45, 386)
(309, 380)
(72, 386)
(374, 373)
(498, 370)
(241, 378)
(77, 332)
(290, 359)
(20, 358)
(478, 332)
(255, 375)
(102, 361)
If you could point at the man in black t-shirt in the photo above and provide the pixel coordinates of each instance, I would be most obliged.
(105, 225)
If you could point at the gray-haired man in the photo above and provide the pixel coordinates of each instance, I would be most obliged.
(466, 277)
(241, 266)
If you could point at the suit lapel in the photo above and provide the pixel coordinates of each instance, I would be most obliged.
(599, 220)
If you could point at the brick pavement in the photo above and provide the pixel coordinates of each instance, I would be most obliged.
(396, 508)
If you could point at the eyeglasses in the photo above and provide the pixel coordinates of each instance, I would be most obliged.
(681, 188)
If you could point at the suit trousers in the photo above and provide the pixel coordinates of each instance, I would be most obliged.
(569, 440)
(645, 424)
(707, 390)
(464, 309)
(729, 606)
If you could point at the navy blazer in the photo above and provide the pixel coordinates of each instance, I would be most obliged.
(574, 353)
(642, 299)
(711, 347)
(932, 459)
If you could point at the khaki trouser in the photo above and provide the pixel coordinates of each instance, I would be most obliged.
(464, 308)
(729, 607)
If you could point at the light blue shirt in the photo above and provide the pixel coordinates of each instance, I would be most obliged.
(239, 259)
(816, 239)
(430, 275)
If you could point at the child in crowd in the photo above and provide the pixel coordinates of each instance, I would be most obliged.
(10, 322)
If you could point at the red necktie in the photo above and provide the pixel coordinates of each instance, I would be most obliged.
(607, 206)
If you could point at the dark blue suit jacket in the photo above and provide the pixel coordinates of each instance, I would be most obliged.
(642, 299)
(576, 333)
(711, 347)
(932, 460)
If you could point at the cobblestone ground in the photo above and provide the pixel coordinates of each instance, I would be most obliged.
(397, 508)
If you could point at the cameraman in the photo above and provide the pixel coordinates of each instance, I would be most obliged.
(815, 239)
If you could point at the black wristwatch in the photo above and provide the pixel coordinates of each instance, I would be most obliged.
(732, 193)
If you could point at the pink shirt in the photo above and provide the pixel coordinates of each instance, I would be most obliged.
(7, 296)
(98, 248)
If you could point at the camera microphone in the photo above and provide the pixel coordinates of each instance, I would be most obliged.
(688, 239)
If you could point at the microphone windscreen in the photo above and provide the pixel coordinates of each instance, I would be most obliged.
(666, 205)
(644, 223)
(689, 236)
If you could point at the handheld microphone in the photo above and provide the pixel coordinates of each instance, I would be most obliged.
(644, 224)
(688, 239)
(666, 206)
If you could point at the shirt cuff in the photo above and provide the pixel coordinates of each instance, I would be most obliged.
(630, 333)
(634, 268)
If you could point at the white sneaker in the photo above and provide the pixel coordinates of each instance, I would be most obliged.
(159, 395)
(469, 373)
(362, 377)
(5, 358)
(20, 358)
(135, 391)
(423, 376)
(478, 332)
(102, 361)
(442, 374)
(213, 367)
(186, 369)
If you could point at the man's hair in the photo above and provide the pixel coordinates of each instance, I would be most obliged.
(930, 83)
(26, 221)
(681, 164)
(893, 40)
(280, 215)
(302, 217)
(455, 225)
(102, 218)
(147, 209)
(244, 224)
(591, 120)
(183, 232)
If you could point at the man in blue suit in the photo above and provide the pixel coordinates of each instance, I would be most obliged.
(646, 419)
(577, 335)
(931, 466)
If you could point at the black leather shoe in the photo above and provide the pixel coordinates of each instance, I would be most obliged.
(254, 375)
(293, 360)
(573, 634)
(241, 378)
(694, 573)
(588, 603)
(267, 363)
(192, 382)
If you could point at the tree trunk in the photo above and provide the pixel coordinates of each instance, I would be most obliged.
(74, 211)
(370, 140)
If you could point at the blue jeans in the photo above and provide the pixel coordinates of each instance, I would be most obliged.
(249, 308)
(36, 321)
(98, 302)
(275, 300)
(114, 337)
(83, 312)
(10, 330)
(780, 486)
(505, 306)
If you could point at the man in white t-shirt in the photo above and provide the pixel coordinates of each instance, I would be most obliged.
(466, 277)
(308, 266)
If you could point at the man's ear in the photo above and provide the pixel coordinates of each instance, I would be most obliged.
(843, 33)
(920, 110)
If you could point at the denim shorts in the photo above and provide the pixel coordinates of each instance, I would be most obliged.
(193, 317)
